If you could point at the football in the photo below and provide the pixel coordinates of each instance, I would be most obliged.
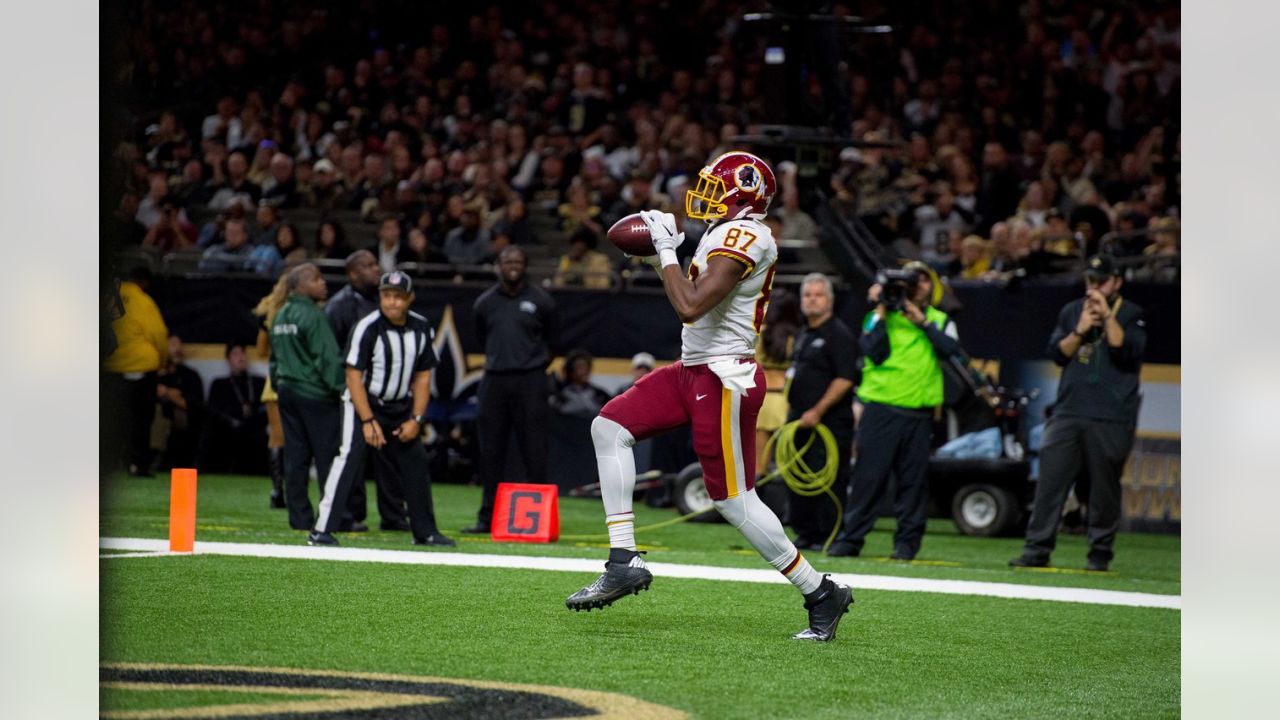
(631, 236)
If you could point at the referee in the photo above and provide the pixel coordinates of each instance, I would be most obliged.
(389, 361)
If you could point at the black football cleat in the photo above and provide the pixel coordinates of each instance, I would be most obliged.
(618, 580)
(316, 537)
(435, 539)
(1028, 561)
(826, 606)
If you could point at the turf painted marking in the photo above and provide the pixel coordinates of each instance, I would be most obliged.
(692, 572)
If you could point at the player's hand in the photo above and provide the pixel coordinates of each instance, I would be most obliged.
(373, 434)
(662, 229)
(912, 312)
(810, 419)
(408, 430)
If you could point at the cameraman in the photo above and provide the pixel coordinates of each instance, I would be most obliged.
(902, 341)
(1098, 342)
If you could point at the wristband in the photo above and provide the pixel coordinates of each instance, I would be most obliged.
(667, 256)
(420, 419)
(366, 422)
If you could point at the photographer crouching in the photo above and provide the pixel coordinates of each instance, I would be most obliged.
(903, 340)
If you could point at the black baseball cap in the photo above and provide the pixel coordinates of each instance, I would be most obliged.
(1100, 266)
(396, 281)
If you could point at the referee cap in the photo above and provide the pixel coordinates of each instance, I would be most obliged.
(396, 281)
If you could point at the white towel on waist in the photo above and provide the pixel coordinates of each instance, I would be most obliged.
(737, 376)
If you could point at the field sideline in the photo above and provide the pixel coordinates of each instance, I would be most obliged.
(704, 647)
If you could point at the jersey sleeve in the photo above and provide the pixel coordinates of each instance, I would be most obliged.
(426, 358)
(750, 243)
(363, 337)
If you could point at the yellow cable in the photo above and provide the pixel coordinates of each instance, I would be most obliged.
(791, 467)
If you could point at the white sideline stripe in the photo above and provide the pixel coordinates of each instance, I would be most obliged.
(691, 572)
(136, 554)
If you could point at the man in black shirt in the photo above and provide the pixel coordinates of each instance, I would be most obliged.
(1098, 342)
(181, 394)
(236, 439)
(822, 372)
(389, 361)
(344, 310)
(515, 321)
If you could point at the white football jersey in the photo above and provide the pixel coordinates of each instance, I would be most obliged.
(730, 328)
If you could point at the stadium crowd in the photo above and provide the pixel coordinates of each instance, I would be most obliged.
(1000, 137)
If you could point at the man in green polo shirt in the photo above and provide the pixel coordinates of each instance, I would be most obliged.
(902, 343)
(306, 371)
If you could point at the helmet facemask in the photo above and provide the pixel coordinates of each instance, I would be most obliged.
(705, 202)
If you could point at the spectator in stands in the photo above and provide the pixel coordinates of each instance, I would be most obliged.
(389, 234)
(575, 395)
(579, 213)
(172, 231)
(468, 244)
(417, 251)
(180, 392)
(266, 220)
(514, 222)
(149, 210)
(331, 240)
(235, 439)
(231, 254)
(270, 258)
(325, 190)
(582, 265)
(1161, 259)
(128, 230)
(998, 189)
(129, 380)
(236, 188)
(975, 258)
(280, 189)
(796, 223)
(935, 221)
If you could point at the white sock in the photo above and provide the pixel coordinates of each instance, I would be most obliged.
(617, 466)
(757, 523)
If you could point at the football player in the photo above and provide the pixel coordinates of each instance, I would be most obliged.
(715, 386)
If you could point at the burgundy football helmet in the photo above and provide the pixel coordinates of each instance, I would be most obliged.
(733, 186)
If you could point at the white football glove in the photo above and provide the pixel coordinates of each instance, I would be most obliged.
(662, 230)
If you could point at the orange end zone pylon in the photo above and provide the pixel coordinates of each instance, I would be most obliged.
(182, 510)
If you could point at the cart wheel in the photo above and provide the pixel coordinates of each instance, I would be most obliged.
(691, 496)
(984, 510)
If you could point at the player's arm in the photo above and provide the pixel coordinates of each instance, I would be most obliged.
(409, 429)
(364, 414)
(693, 298)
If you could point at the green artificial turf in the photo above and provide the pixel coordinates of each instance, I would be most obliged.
(714, 649)
(234, 509)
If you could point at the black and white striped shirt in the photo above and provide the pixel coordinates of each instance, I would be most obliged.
(389, 356)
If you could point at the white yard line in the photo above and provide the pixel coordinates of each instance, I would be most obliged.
(693, 572)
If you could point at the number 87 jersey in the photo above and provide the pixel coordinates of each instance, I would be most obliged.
(730, 328)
